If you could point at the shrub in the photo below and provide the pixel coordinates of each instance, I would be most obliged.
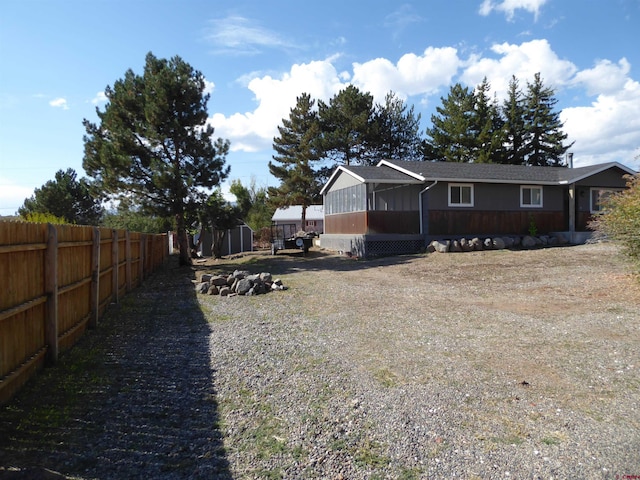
(620, 220)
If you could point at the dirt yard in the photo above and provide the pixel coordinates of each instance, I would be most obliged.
(495, 364)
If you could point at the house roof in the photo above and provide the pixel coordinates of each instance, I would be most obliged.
(406, 172)
(498, 173)
(294, 213)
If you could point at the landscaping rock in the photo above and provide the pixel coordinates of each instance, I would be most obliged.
(243, 286)
(498, 243)
(528, 241)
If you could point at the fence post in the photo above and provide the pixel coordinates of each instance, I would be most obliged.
(115, 266)
(127, 270)
(142, 258)
(51, 287)
(95, 279)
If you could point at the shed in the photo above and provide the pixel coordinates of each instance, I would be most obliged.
(293, 214)
(236, 240)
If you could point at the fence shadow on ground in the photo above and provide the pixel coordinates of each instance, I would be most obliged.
(134, 398)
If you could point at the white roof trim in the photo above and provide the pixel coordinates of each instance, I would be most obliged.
(335, 174)
(387, 163)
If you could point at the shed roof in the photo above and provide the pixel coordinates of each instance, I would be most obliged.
(294, 213)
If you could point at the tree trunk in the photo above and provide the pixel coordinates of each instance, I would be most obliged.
(216, 243)
(183, 241)
(303, 224)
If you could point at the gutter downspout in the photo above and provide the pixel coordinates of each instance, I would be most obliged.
(420, 200)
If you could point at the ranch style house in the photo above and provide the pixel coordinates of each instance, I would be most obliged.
(400, 206)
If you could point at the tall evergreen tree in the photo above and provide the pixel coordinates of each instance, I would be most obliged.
(153, 142)
(452, 137)
(65, 197)
(296, 150)
(347, 127)
(516, 135)
(543, 126)
(395, 130)
(488, 127)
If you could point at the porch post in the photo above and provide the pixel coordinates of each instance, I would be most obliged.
(572, 212)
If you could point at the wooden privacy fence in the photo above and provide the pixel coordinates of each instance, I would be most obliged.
(59, 279)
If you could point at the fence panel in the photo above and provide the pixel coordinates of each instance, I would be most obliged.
(60, 280)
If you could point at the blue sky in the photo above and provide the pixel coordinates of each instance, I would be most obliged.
(57, 57)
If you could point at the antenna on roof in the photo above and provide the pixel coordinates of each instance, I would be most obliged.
(570, 160)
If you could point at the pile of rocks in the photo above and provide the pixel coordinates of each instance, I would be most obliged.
(495, 243)
(240, 282)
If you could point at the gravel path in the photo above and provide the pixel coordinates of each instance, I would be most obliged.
(481, 365)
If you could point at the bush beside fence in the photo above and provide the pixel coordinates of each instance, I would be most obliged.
(59, 280)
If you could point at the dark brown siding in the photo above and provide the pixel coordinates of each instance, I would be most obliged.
(352, 223)
(394, 222)
(448, 222)
(373, 222)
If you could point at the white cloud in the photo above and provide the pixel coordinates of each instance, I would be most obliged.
(209, 87)
(605, 77)
(59, 103)
(608, 129)
(412, 75)
(99, 98)
(509, 7)
(254, 131)
(523, 61)
(239, 35)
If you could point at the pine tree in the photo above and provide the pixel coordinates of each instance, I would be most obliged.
(153, 143)
(296, 150)
(347, 127)
(66, 198)
(516, 136)
(452, 137)
(488, 126)
(396, 130)
(543, 126)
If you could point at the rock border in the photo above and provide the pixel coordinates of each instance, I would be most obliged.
(495, 243)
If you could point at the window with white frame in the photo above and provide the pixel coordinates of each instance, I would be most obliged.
(311, 223)
(599, 197)
(530, 196)
(461, 195)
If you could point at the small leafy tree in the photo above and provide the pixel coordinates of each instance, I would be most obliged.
(219, 215)
(153, 143)
(38, 217)
(253, 203)
(65, 198)
(621, 219)
(129, 217)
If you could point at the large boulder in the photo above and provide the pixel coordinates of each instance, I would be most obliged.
(441, 246)
(528, 241)
(243, 286)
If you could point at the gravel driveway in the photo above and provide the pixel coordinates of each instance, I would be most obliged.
(500, 364)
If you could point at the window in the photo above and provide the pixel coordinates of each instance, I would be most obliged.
(311, 223)
(530, 196)
(599, 197)
(460, 195)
